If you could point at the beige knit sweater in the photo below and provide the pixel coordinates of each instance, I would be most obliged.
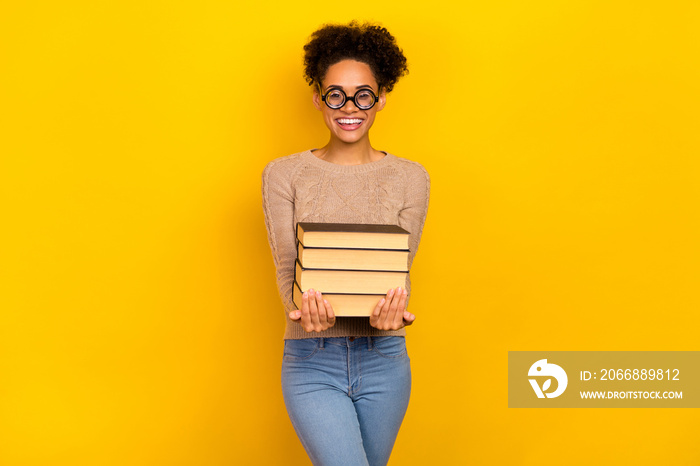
(303, 188)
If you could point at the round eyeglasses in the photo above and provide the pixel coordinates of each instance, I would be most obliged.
(364, 99)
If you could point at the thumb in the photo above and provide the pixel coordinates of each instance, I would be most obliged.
(295, 315)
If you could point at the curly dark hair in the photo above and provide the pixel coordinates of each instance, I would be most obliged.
(367, 43)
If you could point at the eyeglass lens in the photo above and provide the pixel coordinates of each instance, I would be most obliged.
(363, 99)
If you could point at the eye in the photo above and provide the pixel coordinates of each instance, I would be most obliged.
(364, 98)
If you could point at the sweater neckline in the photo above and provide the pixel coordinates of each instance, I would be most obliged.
(334, 167)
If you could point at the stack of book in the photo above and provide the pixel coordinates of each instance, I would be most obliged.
(353, 265)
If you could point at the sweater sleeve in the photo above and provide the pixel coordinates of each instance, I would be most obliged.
(412, 215)
(278, 207)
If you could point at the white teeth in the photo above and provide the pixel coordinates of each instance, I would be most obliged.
(349, 121)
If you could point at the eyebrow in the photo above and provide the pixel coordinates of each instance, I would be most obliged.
(336, 86)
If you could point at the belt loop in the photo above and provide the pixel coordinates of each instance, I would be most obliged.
(369, 343)
(320, 342)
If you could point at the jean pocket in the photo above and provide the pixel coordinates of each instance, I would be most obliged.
(390, 347)
(298, 350)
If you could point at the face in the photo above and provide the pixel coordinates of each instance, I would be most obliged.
(349, 123)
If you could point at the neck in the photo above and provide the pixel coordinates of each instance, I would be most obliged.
(342, 153)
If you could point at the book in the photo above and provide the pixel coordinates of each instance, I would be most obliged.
(348, 281)
(350, 235)
(345, 305)
(353, 265)
(352, 259)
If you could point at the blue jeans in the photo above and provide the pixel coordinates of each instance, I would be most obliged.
(347, 396)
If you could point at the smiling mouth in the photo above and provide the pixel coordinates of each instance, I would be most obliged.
(349, 124)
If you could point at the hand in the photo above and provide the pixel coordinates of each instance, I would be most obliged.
(316, 313)
(391, 313)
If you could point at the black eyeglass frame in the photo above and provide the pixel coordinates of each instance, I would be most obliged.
(347, 98)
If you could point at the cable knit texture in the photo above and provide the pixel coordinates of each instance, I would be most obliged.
(303, 188)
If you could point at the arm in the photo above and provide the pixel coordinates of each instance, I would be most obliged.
(415, 209)
(278, 207)
(390, 313)
(316, 313)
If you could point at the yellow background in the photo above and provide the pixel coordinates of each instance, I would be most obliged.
(140, 322)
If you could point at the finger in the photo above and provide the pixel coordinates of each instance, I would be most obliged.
(329, 313)
(386, 310)
(400, 308)
(295, 315)
(305, 312)
(393, 309)
(313, 311)
(374, 317)
(408, 318)
(322, 317)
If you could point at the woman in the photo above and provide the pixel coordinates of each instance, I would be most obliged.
(346, 381)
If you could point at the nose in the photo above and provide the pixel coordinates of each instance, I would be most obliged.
(349, 106)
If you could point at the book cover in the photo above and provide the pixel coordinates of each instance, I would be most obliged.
(352, 259)
(348, 281)
(351, 235)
